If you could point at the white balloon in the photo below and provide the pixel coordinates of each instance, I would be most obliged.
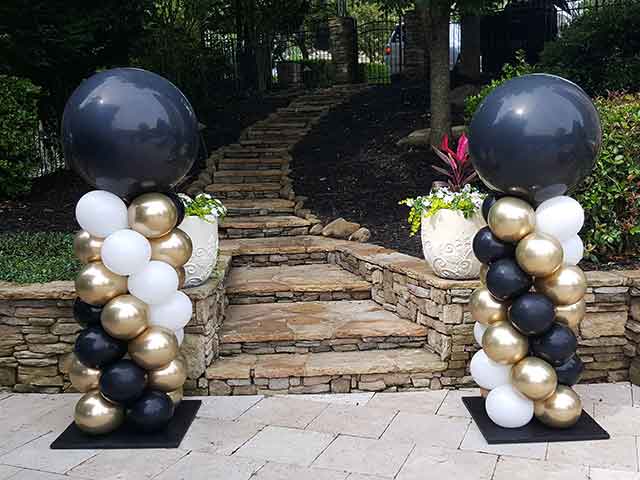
(155, 283)
(125, 252)
(478, 332)
(173, 314)
(180, 336)
(508, 408)
(561, 217)
(101, 213)
(573, 250)
(487, 373)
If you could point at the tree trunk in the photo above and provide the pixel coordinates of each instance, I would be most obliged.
(440, 13)
(470, 48)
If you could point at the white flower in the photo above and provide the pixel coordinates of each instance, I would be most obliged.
(186, 199)
(204, 195)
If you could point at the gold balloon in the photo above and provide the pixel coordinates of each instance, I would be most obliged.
(83, 378)
(87, 247)
(539, 254)
(511, 219)
(153, 215)
(176, 396)
(170, 377)
(504, 344)
(534, 378)
(571, 315)
(125, 317)
(174, 248)
(565, 286)
(486, 309)
(560, 410)
(182, 277)
(484, 268)
(154, 348)
(96, 284)
(95, 415)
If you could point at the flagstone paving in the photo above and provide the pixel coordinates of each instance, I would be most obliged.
(359, 436)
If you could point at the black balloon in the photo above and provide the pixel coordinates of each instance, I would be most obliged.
(536, 136)
(85, 313)
(489, 248)
(570, 372)
(177, 201)
(556, 345)
(488, 202)
(123, 381)
(96, 349)
(151, 412)
(506, 280)
(127, 131)
(532, 313)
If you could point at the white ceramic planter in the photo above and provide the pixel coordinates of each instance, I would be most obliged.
(204, 236)
(447, 243)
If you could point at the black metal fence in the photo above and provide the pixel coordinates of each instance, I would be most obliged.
(380, 50)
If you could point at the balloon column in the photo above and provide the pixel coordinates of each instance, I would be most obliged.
(129, 132)
(531, 141)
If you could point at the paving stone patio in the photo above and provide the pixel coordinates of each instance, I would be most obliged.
(358, 436)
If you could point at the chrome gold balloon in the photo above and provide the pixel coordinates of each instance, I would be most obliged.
(96, 284)
(182, 277)
(504, 344)
(534, 378)
(539, 254)
(176, 396)
(511, 219)
(484, 268)
(152, 214)
(125, 317)
(86, 247)
(96, 415)
(83, 378)
(560, 410)
(565, 286)
(154, 348)
(486, 309)
(571, 315)
(170, 377)
(174, 248)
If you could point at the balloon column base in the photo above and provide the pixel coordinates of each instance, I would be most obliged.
(534, 431)
(127, 437)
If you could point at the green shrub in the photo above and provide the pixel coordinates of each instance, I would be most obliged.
(611, 194)
(377, 73)
(37, 257)
(18, 130)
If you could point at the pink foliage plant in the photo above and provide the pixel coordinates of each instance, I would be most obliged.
(459, 169)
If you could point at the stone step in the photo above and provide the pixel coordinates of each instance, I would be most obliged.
(252, 163)
(259, 206)
(242, 187)
(249, 176)
(337, 372)
(247, 285)
(263, 226)
(239, 151)
(280, 124)
(273, 141)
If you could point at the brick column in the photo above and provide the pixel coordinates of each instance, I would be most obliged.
(344, 48)
(415, 56)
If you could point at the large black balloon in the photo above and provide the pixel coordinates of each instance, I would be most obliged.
(506, 280)
(555, 346)
(177, 201)
(532, 313)
(488, 202)
(151, 412)
(96, 349)
(489, 248)
(123, 381)
(127, 130)
(570, 372)
(85, 313)
(535, 136)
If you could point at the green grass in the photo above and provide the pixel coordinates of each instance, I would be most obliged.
(37, 257)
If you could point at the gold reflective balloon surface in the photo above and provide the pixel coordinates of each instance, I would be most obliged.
(560, 410)
(154, 348)
(534, 378)
(96, 284)
(539, 254)
(504, 344)
(565, 286)
(170, 377)
(182, 277)
(511, 219)
(153, 215)
(484, 268)
(125, 317)
(571, 315)
(83, 378)
(96, 415)
(87, 247)
(486, 309)
(174, 248)
(176, 396)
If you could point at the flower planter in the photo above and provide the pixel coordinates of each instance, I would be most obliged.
(204, 236)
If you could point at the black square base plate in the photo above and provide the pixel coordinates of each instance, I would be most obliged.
(128, 437)
(534, 431)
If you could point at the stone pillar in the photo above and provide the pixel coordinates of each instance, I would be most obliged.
(415, 56)
(470, 47)
(344, 48)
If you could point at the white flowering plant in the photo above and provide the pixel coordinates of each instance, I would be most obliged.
(203, 205)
